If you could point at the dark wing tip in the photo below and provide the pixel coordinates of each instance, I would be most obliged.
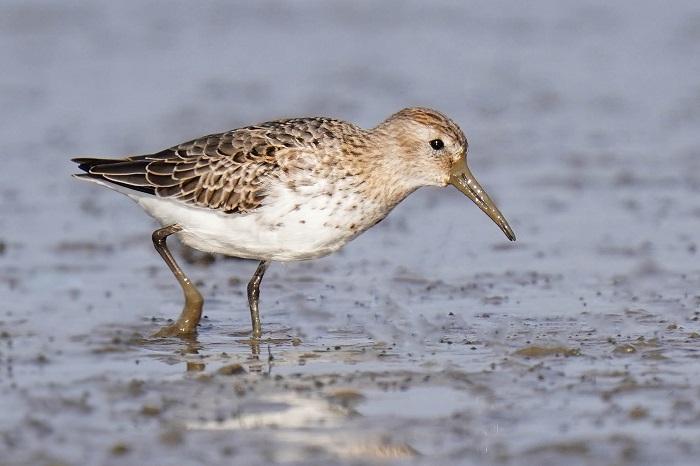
(122, 172)
(85, 163)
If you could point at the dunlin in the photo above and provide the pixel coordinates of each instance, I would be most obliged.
(287, 190)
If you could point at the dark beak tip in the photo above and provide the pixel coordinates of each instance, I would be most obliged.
(510, 234)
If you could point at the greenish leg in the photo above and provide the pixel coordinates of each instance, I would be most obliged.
(186, 324)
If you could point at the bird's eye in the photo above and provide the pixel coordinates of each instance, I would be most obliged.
(437, 144)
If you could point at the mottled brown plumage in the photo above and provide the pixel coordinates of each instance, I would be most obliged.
(289, 189)
(225, 171)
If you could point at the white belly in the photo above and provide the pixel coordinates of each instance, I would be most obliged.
(289, 227)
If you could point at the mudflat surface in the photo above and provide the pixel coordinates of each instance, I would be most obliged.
(428, 340)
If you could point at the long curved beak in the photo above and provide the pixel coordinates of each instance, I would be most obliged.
(462, 179)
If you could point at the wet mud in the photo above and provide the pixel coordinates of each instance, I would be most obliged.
(428, 340)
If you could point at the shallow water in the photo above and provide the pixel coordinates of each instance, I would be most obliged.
(430, 339)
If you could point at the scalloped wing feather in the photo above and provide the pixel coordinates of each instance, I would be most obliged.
(227, 171)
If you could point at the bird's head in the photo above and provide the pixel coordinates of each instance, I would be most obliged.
(433, 152)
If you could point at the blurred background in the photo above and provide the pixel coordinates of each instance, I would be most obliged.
(582, 119)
